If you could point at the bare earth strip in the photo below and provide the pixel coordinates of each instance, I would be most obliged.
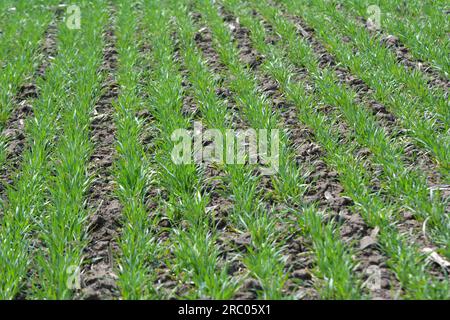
(98, 277)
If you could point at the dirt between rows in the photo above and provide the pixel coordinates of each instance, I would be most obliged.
(14, 130)
(98, 278)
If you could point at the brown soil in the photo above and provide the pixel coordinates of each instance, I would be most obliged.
(98, 276)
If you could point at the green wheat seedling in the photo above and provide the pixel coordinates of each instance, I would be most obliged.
(27, 196)
(243, 184)
(356, 182)
(264, 242)
(265, 254)
(195, 252)
(349, 282)
(211, 228)
(335, 265)
(21, 36)
(215, 115)
(408, 184)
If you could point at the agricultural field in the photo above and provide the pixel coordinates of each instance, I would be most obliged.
(224, 149)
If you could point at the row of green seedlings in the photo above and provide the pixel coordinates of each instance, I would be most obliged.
(335, 271)
(26, 196)
(404, 259)
(264, 259)
(20, 39)
(420, 25)
(192, 253)
(62, 227)
(21, 27)
(5, 8)
(137, 247)
(422, 111)
(37, 201)
(281, 68)
(398, 181)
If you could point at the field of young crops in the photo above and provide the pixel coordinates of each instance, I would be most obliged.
(111, 110)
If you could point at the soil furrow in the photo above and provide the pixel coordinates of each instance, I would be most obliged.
(98, 277)
(325, 190)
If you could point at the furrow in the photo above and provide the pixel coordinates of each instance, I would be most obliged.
(98, 276)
